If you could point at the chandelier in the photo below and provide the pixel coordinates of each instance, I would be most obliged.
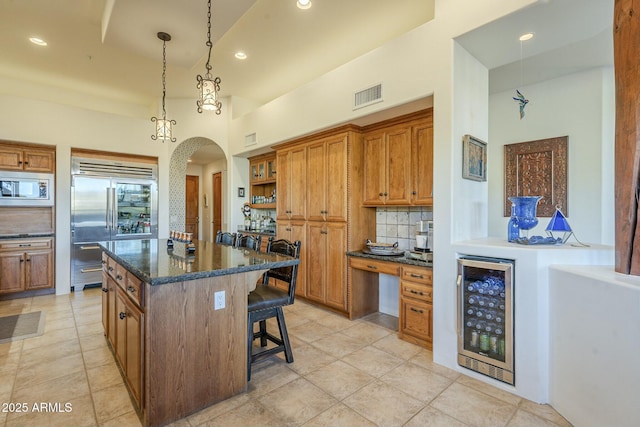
(163, 125)
(207, 85)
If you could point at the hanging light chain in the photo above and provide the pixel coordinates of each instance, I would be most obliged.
(207, 85)
(164, 76)
(164, 127)
(209, 44)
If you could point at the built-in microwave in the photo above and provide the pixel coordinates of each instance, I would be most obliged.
(26, 189)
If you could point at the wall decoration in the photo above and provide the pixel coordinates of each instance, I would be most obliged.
(240, 191)
(523, 102)
(537, 168)
(474, 158)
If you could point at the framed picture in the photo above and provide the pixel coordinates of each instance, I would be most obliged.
(537, 168)
(474, 158)
(240, 191)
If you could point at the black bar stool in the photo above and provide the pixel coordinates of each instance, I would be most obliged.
(266, 301)
(226, 238)
(249, 241)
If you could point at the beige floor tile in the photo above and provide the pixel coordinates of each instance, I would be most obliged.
(57, 315)
(339, 415)
(15, 306)
(218, 409)
(112, 402)
(431, 417)
(90, 342)
(269, 375)
(397, 347)
(372, 361)
(340, 379)
(489, 389)
(48, 353)
(103, 376)
(9, 361)
(292, 319)
(338, 344)
(308, 358)
(334, 322)
(309, 331)
(298, 401)
(419, 383)
(527, 419)
(89, 329)
(97, 357)
(90, 314)
(130, 419)
(65, 388)
(366, 332)
(77, 412)
(253, 413)
(383, 404)
(473, 407)
(10, 347)
(544, 411)
(58, 336)
(39, 373)
(425, 359)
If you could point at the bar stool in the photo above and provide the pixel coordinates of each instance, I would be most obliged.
(249, 241)
(226, 238)
(267, 301)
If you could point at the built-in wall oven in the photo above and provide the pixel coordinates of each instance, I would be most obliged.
(485, 316)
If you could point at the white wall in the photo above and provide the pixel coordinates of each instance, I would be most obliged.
(580, 106)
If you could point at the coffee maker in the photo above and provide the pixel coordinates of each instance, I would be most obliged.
(423, 249)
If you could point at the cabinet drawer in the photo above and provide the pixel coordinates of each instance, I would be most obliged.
(416, 290)
(416, 319)
(121, 276)
(111, 267)
(25, 244)
(134, 289)
(375, 266)
(417, 274)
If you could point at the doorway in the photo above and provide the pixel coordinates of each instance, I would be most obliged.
(192, 192)
(217, 203)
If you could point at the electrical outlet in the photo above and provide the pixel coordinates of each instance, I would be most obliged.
(219, 300)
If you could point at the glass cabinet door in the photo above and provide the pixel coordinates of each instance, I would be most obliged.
(271, 169)
(133, 208)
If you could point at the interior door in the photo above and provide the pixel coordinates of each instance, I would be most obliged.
(217, 203)
(191, 205)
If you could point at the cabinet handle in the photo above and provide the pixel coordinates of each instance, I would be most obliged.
(380, 194)
(24, 245)
(323, 232)
(118, 277)
(414, 192)
(19, 162)
(416, 292)
(417, 311)
(418, 276)
(28, 259)
(103, 262)
(26, 163)
(105, 290)
(373, 267)
(110, 268)
(131, 289)
(122, 315)
(21, 260)
(386, 194)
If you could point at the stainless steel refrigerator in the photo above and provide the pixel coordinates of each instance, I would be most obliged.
(110, 200)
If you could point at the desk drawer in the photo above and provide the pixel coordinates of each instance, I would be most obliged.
(416, 291)
(375, 266)
(134, 289)
(417, 274)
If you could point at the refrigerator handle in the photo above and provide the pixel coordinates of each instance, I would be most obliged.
(114, 216)
(107, 213)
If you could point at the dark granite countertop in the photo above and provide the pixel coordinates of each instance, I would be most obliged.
(401, 259)
(26, 236)
(152, 262)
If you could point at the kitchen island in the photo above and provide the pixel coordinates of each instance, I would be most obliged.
(177, 321)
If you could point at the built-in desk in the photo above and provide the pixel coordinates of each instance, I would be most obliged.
(415, 323)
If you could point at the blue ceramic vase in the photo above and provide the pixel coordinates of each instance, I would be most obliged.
(525, 211)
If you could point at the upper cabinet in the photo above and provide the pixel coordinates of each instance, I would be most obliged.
(263, 168)
(327, 179)
(27, 158)
(398, 162)
(291, 165)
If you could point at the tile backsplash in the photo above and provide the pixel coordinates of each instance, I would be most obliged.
(398, 224)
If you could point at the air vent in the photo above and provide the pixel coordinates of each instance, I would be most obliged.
(367, 96)
(98, 167)
(250, 139)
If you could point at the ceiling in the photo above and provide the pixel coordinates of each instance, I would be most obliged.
(108, 49)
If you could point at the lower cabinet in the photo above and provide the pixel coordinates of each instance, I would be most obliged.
(123, 321)
(416, 306)
(292, 231)
(327, 263)
(26, 264)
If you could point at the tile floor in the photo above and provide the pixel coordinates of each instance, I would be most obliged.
(345, 374)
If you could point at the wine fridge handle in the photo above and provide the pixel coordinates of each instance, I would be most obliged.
(459, 300)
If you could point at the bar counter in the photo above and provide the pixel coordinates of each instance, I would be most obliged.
(177, 321)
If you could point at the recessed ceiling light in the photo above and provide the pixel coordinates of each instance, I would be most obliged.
(38, 41)
(526, 36)
(304, 4)
(241, 55)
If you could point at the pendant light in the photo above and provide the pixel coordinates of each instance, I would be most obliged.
(207, 85)
(163, 125)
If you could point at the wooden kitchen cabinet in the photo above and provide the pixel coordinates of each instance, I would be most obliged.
(129, 342)
(27, 158)
(292, 231)
(26, 264)
(327, 179)
(416, 306)
(327, 264)
(398, 165)
(262, 168)
(291, 165)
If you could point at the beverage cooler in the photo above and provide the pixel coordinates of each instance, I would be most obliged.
(485, 316)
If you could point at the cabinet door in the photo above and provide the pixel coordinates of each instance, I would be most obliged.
(121, 328)
(416, 319)
(39, 271)
(135, 334)
(298, 183)
(422, 161)
(398, 154)
(11, 272)
(292, 231)
(257, 171)
(112, 313)
(38, 161)
(271, 168)
(336, 178)
(317, 181)
(105, 304)
(10, 158)
(374, 169)
(336, 265)
(316, 261)
(283, 200)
